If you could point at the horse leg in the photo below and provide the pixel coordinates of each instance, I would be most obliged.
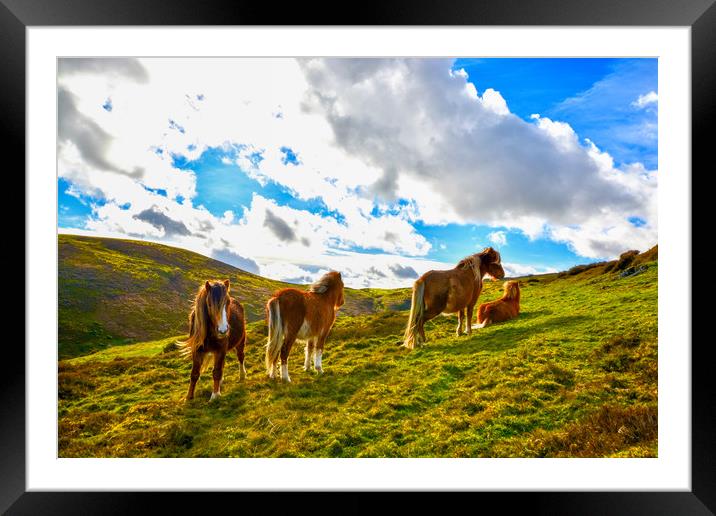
(460, 320)
(310, 350)
(470, 309)
(197, 359)
(285, 351)
(218, 373)
(240, 355)
(318, 358)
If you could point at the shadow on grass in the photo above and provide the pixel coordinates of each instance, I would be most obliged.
(501, 336)
(337, 387)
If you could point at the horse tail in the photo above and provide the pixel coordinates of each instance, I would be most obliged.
(417, 311)
(186, 347)
(275, 333)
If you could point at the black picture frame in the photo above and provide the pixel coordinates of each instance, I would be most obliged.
(700, 15)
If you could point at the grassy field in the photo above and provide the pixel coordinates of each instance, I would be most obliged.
(574, 376)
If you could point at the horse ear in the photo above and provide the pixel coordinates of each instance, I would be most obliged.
(207, 286)
(226, 284)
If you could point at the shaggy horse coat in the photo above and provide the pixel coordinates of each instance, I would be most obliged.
(503, 309)
(454, 290)
(302, 315)
(216, 326)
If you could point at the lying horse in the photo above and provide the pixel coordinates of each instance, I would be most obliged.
(216, 325)
(454, 290)
(503, 309)
(304, 315)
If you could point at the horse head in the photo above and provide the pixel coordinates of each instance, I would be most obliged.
(331, 283)
(492, 263)
(217, 306)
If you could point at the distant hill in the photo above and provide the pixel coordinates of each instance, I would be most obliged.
(115, 291)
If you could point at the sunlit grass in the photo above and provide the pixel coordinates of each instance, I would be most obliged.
(574, 375)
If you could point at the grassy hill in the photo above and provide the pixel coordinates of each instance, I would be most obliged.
(575, 375)
(115, 291)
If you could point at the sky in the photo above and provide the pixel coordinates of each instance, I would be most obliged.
(380, 168)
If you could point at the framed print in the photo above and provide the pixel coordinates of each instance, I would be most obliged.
(201, 199)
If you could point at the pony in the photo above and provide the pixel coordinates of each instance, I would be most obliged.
(216, 325)
(503, 309)
(450, 291)
(306, 315)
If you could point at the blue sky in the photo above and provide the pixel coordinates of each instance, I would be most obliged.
(291, 185)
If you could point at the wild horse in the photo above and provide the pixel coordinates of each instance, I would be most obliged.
(216, 326)
(308, 315)
(450, 291)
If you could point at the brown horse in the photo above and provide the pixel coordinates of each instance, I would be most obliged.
(304, 315)
(503, 309)
(216, 325)
(454, 290)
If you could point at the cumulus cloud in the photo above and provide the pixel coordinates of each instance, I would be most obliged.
(279, 227)
(498, 238)
(646, 100)
(373, 271)
(516, 270)
(91, 141)
(489, 165)
(401, 271)
(129, 68)
(235, 259)
(429, 126)
(161, 221)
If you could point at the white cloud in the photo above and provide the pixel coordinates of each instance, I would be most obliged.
(473, 162)
(428, 137)
(498, 238)
(493, 101)
(515, 270)
(646, 99)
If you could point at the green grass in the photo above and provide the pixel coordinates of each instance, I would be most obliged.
(575, 375)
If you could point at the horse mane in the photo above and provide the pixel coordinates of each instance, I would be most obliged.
(324, 284)
(198, 324)
(473, 263)
(511, 290)
(489, 250)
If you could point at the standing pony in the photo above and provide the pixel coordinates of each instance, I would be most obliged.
(216, 325)
(507, 307)
(454, 290)
(304, 315)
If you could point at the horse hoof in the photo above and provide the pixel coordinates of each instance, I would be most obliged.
(214, 396)
(319, 371)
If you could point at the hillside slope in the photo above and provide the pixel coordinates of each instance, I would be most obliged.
(120, 291)
(575, 375)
